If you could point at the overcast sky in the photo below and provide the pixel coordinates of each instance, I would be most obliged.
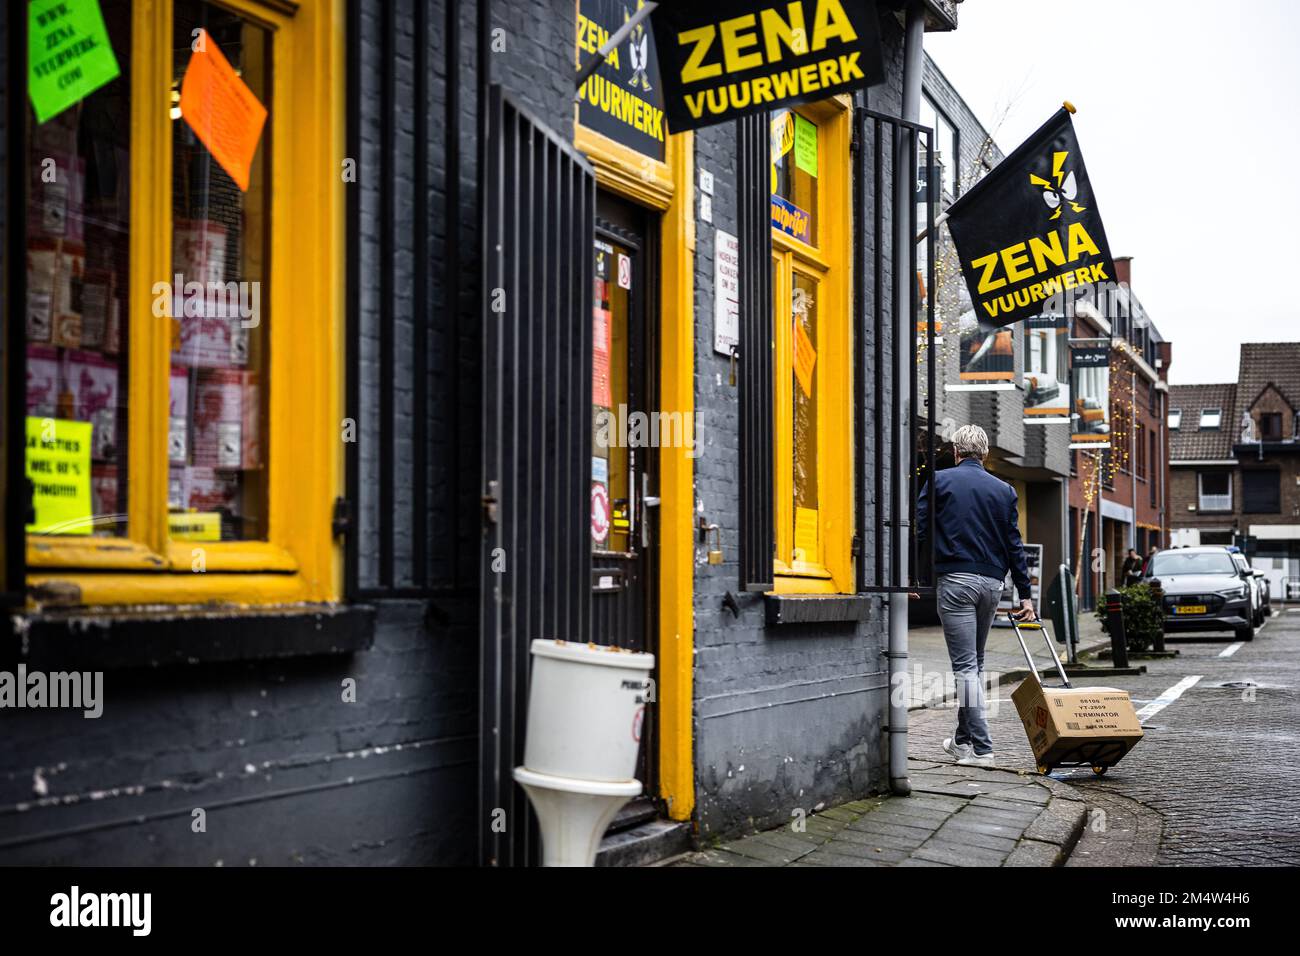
(1188, 123)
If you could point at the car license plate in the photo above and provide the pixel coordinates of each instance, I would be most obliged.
(1190, 609)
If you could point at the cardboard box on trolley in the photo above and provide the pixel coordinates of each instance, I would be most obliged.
(1079, 726)
(1073, 726)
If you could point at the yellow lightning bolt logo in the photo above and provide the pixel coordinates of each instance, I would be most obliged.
(1064, 190)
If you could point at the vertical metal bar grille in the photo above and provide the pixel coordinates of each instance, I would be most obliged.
(402, 327)
(754, 227)
(887, 143)
(538, 230)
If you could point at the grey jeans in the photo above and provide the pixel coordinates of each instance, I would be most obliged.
(967, 604)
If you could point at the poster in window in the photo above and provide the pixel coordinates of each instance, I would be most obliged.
(1046, 379)
(987, 358)
(1090, 392)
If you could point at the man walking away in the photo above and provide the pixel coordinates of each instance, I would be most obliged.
(976, 541)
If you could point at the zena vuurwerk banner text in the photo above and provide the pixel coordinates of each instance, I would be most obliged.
(726, 58)
(1029, 232)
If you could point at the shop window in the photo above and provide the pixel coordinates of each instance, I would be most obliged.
(78, 259)
(945, 154)
(811, 349)
(167, 363)
(1261, 491)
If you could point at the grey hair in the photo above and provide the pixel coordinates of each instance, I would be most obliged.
(971, 441)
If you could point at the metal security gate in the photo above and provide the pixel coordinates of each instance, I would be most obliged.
(890, 148)
(538, 230)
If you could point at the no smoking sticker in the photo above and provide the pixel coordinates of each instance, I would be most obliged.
(624, 271)
(599, 513)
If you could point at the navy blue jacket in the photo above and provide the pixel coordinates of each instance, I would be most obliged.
(976, 529)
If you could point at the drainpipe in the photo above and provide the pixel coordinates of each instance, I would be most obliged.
(904, 237)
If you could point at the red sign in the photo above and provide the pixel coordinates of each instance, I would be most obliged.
(599, 512)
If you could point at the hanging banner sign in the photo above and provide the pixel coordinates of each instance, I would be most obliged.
(1047, 370)
(988, 357)
(1029, 232)
(624, 98)
(1090, 391)
(58, 464)
(729, 58)
(223, 112)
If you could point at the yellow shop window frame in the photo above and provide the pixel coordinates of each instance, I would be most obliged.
(828, 263)
(299, 561)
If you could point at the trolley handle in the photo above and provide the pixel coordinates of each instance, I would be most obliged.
(1029, 658)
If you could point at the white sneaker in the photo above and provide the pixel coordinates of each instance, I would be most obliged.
(977, 760)
(960, 751)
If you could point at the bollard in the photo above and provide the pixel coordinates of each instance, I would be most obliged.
(1115, 625)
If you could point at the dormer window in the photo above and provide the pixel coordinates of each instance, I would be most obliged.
(1211, 417)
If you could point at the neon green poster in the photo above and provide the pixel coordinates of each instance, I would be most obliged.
(58, 464)
(68, 54)
(805, 145)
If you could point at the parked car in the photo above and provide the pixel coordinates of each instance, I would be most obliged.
(1257, 584)
(1266, 598)
(1205, 589)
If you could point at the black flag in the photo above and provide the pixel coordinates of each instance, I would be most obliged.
(725, 58)
(1028, 234)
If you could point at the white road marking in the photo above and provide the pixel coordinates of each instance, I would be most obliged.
(1167, 698)
(1230, 649)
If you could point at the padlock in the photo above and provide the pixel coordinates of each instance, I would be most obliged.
(715, 556)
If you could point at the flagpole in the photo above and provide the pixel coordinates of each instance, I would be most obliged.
(608, 47)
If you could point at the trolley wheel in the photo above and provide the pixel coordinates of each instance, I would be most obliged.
(1044, 770)
(1099, 771)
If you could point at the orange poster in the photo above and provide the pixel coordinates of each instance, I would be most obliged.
(222, 110)
(600, 347)
(805, 357)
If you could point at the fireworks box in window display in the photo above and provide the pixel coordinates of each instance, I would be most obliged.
(55, 208)
(178, 418)
(54, 271)
(92, 381)
(42, 381)
(226, 411)
(208, 333)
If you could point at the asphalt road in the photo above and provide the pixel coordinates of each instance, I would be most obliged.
(1220, 764)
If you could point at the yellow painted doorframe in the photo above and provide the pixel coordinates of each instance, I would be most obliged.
(669, 188)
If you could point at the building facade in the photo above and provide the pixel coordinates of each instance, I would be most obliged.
(1236, 474)
(1119, 496)
(1033, 457)
(508, 379)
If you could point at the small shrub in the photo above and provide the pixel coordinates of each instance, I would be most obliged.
(1144, 619)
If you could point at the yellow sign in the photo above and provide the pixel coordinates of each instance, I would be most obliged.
(805, 533)
(58, 464)
(195, 526)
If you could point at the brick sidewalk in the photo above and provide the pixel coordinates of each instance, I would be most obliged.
(956, 816)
